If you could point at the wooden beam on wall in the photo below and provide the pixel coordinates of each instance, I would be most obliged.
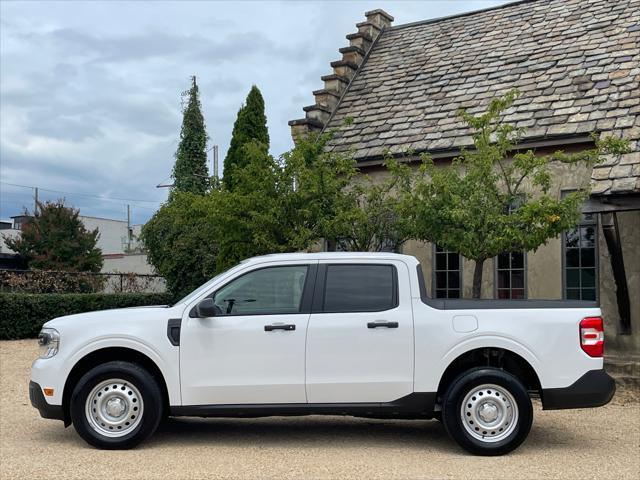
(611, 232)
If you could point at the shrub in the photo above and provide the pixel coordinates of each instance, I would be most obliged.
(46, 281)
(22, 315)
(51, 281)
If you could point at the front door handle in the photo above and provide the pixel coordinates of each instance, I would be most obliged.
(279, 326)
(382, 324)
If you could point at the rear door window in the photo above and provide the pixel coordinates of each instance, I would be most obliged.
(360, 288)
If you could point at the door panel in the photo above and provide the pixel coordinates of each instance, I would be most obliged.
(349, 357)
(229, 360)
(254, 351)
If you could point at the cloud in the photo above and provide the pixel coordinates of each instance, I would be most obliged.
(90, 91)
(153, 44)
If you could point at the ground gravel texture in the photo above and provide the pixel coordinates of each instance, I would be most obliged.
(601, 443)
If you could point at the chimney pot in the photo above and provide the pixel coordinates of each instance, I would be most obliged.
(379, 17)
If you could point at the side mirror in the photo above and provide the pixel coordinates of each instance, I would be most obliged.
(206, 308)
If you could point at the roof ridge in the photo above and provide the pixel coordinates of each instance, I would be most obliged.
(460, 15)
(335, 84)
(355, 75)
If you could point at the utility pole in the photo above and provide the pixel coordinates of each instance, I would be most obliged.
(129, 233)
(35, 198)
(215, 161)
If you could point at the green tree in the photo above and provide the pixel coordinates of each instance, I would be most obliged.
(495, 198)
(370, 218)
(250, 125)
(278, 205)
(319, 183)
(180, 240)
(190, 172)
(282, 205)
(55, 239)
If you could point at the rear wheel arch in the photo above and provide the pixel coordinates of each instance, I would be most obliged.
(103, 355)
(496, 357)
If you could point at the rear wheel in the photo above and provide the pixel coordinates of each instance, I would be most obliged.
(487, 411)
(116, 405)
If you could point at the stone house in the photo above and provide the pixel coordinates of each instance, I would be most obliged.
(577, 66)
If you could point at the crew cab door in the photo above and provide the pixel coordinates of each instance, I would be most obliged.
(360, 337)
(252, 350)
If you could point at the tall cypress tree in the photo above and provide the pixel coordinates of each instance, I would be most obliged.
(251, 124)
(190, 173)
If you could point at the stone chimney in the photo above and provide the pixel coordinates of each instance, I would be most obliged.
(335, 84)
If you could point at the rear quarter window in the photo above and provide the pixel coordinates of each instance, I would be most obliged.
(360, 288)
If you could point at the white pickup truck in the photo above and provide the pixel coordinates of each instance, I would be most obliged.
(328, 334)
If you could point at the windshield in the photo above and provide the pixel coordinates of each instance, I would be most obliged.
(202, 288)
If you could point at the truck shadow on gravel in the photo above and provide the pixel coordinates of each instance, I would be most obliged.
(307, 432)
(315, 432)
(343, 432)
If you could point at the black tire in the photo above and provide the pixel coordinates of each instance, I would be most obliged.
(456, 425)
(132, 374)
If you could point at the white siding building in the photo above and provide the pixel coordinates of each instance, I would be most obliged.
(121, 250)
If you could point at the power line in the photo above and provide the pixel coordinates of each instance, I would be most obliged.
(80, 204)
(82, 194)
(115, 201)
(18, 203)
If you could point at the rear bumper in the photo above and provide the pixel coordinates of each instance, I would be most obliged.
(594, 389)
(46, 410)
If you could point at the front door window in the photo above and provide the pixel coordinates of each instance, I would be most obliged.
(268, 291)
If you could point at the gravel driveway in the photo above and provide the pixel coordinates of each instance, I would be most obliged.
(599, 443)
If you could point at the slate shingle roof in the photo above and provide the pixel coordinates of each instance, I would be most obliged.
(575, 62)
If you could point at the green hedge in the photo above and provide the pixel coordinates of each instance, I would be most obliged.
(22, 314)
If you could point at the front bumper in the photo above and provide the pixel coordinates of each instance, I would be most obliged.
(46, 410)
(594, 389)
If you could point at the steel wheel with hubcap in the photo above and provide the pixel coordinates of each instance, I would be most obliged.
(487, 411)
(116, 405)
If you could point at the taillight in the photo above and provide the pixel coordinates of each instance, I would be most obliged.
(592, 336)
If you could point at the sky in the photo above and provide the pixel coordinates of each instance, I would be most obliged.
(90, 91)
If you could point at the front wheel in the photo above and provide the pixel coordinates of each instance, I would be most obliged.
(116, 405)
(487, 411)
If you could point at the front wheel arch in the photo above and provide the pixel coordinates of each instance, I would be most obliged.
(104, 355)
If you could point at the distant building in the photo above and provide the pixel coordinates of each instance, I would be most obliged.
(8, 258)
(121, 250)
(115, 235)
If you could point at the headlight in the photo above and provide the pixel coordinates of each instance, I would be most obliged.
(48, 341)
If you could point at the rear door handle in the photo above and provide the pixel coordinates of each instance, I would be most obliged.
(279, 326)
(382, 324)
